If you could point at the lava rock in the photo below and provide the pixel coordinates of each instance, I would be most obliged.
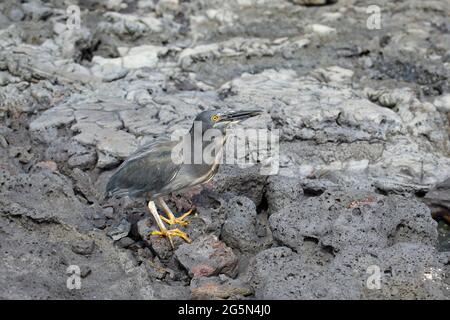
(47, 165)
(82, 161)
(219, 287)
(84, 248)
(438, 199)
(155, 268)
(125, 242)
(41, 197)
(161, 291)
(85, 271)
(248, 182)
(207, 256)
(282, 191)
(408, 271)
(354, 218)
(239, 230)
(120, 231)
(21, 153)
(161, 245)
(83, 183)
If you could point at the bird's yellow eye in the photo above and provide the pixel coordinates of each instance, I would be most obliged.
(215, 118)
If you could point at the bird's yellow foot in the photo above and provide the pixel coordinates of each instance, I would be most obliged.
(181, 220)
(172, 233)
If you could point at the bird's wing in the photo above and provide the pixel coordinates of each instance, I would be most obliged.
(149, 169)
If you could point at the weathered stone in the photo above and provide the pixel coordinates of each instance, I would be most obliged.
(83, 183)
(220, 287)
(85, 271)
(282, 191)
(321, 30)
(138, 57)
(117, 143)
(53, 118)
(245, 181)
(442, 103)
(40, 196)
(207, 256)
(279, 273)
(438, 200)
(161, 245)
(106, 161)
(333, 74)
(144, 228)
(16, 14)
(82, 161)
(344, 219)
(160, 291)
(239, 229)
(120, 231)
(21, 153)
(3, 143)
(125, 242)
(84, 248)
(47, 165)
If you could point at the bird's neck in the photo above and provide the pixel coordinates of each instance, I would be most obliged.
(205, 142)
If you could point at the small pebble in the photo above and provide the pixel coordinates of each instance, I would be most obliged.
(16, 14)
(120, 231)
(85, 271)
(125, 242)
(84, 248)
(3, 142)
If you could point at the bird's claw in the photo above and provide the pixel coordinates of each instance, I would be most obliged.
(180, 221)
(175, 221)
(172, 233)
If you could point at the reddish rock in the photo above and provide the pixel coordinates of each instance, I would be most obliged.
(47, 165)
(203, 270)
(220, 287)
(207, 256)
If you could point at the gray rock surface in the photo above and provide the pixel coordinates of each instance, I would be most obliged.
(207, 256)
(408, 271)
(347, 219)
(350, 235)
(160, 291)
(240, 227)
(220, 287)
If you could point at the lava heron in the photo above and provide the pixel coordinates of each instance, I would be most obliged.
(155, 170)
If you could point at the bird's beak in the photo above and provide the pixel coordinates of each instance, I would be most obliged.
(237, 116)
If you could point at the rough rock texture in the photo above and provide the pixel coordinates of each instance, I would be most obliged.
(364, 154)
(340, 220)
(344, 234)
(241, 229)
(207, 256)
(408, 271)
(220, 287)
(55, 202)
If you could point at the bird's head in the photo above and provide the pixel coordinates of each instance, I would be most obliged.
(215, 119)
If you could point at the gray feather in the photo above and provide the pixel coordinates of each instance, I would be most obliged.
(148, 170)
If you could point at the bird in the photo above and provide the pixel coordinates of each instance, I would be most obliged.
(165, 165)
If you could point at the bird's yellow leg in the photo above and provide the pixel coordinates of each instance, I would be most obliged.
(172, 219)
(163, 231)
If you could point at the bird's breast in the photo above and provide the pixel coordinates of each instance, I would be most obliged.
(193, 174)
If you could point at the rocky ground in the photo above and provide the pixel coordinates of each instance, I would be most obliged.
(363, 114)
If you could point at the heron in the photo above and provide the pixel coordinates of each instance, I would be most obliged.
(155, 169)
